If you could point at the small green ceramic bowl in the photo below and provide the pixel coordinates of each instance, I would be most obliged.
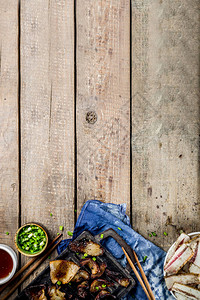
(31, 239)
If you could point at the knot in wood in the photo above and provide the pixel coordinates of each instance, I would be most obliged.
(91, 117)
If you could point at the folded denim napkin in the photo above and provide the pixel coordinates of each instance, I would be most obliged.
(96, 217)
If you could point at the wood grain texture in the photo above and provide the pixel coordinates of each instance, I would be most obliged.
(165, 53)
(47, 113)
(8, 121)
(103, 88)
(9, 155)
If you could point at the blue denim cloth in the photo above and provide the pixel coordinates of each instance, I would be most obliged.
(97, 217)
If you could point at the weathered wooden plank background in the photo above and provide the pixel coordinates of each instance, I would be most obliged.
(165, 116)
(9, 143)
(103, 90)
(99, 100)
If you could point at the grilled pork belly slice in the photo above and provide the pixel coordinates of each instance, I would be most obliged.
(197, 256)
(82, 289)
(193, 240)
(36, 292)
(182, 278)
(93, 265)
(179, 259)
(62, 270)
(194, 269)
(104, 295)
(80, 276)
(195, 250)
(187, 291)
(99, 285)
(118, 278)
(55, 294)
(180, 297)
(102, 268)
(181, 239)
(85, 246)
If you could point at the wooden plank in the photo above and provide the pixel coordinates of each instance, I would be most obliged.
(165, 57)
(9, 179)
(9, 121)
(47, 113)
(103, 101)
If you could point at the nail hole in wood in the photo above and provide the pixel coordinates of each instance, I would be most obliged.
(91, 117)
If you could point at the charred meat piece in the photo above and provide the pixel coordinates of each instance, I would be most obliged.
(99, 285)
(104, 295)
(118, 278)
(82, 289)
(182, 278)
(80, 276)
(94, 267)
(102, 268)
(86, 246)
(36, 292)
(179, 259)
(186, 290)
(55, 294)
(63, 270)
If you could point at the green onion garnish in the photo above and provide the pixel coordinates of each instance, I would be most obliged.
(31, 238)
(59, 282)
(7, 233)
(154, 234)
(61, 228)
(119, 228)
(103, 285)
(51, 214)
(94, 258)
(101, 236)
(150, 235)
(144, 259)
(97, 288)
(70, 233)
(85, 254)
(165, 233)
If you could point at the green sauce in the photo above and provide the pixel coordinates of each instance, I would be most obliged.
(31, 239)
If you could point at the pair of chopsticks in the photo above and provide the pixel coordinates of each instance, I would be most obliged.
(147, 288)
(48, 251)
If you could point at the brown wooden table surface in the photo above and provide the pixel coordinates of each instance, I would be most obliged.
(99, 99)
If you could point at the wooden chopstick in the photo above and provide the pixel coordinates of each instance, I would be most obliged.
(144, 276)
(30, 271)
(137, 274)
(28, 264)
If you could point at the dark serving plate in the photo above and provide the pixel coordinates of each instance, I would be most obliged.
(112, 264)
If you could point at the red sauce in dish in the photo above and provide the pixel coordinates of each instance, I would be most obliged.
(6, 263)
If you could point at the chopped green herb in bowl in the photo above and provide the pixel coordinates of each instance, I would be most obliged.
(31, 239)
